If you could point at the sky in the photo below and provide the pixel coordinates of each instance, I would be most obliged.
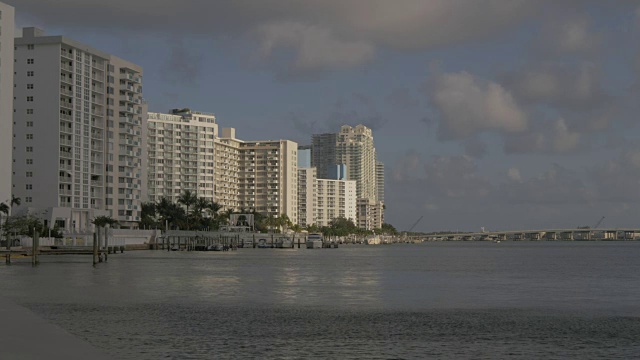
(502, 114)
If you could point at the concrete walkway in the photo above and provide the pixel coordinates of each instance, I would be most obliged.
(26, 336)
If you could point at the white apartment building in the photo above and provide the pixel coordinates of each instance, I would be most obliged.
(335, 199)
(307, 196)
(269, 177)
(7, 26)
(227, 170)
(380, 180)
(181, 153)
(355, 149)
(79, 132)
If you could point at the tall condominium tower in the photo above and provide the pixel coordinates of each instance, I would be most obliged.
(181, 148)
(7, 26)
(335, 199)
(323, 153)
(380, 180)
(269, 177)
(307, 196)
(355, 149)
(79, 133)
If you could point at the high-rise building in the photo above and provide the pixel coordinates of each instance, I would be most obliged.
(355, 149)
(181, 152)
(335, 199)
(269, 177)
(380, 180)
(323, 153)
(307, 196)
(79, 134)
(227, 170)
(7, 26)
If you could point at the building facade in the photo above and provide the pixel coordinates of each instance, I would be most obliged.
(370, 214)
(307, 196)
(269, 177)
(181, 152)
(304, 156)
(227, 170)
(335, 199)
(79, 132)
(7, 26)
(380, 180)
(323, 153)
(356, 150)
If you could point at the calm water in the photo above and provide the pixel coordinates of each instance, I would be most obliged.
(437, 300)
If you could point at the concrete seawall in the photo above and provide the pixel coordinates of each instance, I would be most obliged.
(26, 336)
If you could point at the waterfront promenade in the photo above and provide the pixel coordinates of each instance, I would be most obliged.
(26, 336)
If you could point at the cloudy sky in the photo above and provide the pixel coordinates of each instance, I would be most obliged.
(505, 114)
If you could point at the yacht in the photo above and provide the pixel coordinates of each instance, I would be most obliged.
(314, 241)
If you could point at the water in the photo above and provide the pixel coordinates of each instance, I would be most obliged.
(437, 300)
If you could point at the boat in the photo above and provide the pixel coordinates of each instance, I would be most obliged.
(284, 243)
(263, 244)
(314, 241)
(372, 240)
(215, 247)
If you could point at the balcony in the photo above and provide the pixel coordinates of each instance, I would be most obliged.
(66, 104)
(127, 109)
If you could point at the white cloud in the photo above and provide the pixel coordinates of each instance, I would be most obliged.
(514, 174)
(569, 34)
(317, 48)
(468, 105)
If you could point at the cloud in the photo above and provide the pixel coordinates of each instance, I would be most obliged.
(322, 35)
(468, 105)
(549, 137)
(317, 48)
(568, 35)
(558, 185)
(475, 148)
(562, 85)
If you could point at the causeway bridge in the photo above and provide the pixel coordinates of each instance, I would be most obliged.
(541, 235)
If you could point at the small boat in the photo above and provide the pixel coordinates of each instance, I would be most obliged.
(314, 241)
(175, 248)
(262, 244)
(372, 240)
(284, 243)
(215, 247)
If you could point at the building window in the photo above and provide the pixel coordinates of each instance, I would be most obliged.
(28, 199)
(29, 186)
(30, 61)
(29, 73)
(29, 86)
(29, 123)
(29, 161)
(29, 98)
(29, 148)
(29, 174)
(29, 111)
(30, 47)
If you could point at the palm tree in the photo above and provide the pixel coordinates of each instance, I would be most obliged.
(14, 201)
(187, 198)
(284, 222)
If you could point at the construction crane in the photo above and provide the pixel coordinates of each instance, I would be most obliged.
(414, 224)
(598, 224)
